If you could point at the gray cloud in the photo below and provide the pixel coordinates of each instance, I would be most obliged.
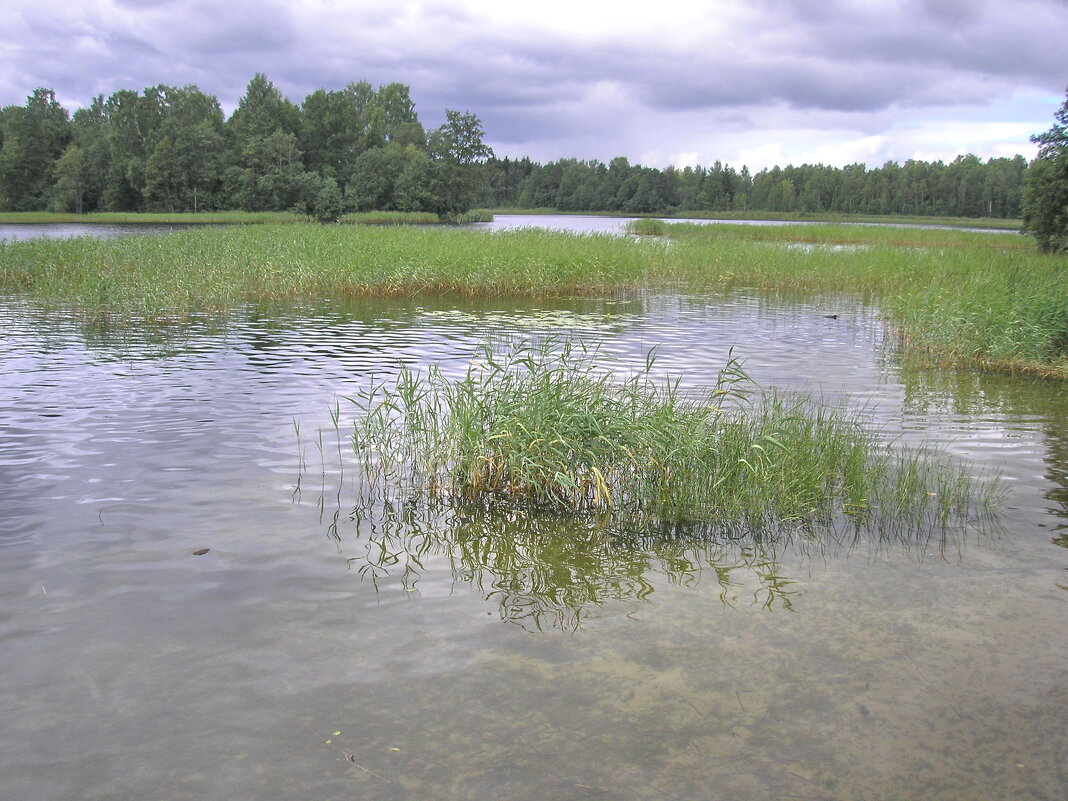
(853, 63)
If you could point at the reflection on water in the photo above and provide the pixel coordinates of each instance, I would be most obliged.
(14, 232)
(548, 571)
(131, 668)
(1010, 408)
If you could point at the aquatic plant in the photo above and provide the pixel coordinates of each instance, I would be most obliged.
(965, 298)
(412, 218)
(647, 226)
(551, 427)
(390, 218)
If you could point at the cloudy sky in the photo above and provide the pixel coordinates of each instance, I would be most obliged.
(756, 82)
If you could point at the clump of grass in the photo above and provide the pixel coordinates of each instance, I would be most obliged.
(390, 218)
(413, 218)
(549, 428)
(475, 216)
(647, 226)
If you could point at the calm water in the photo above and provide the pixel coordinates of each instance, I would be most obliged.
(308, 654)
(13, 232)
(586, 224)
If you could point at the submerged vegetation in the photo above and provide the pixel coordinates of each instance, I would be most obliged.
(550, 428)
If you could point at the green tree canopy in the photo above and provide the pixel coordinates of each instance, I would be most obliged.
(1045, 206)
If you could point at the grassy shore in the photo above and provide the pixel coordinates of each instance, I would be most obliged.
(985, 299)
(995, 223)
(979, 299)
(144, 218)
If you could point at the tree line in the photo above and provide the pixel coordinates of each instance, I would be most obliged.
(965, 187)
(360, 148)
(172, 149)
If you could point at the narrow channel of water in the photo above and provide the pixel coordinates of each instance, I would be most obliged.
(308, 654)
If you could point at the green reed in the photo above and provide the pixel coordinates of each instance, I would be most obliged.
(412, 218)
(391, 218)
(965, 298)
(216, 269)
(968, 298)
(647, 226)
(551, 427)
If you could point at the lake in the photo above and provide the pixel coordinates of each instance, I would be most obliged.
(576, 223)
(313, 653)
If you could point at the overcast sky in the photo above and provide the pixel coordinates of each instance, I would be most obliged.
(756, 82)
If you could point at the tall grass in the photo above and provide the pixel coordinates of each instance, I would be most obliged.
(549, 428)
(215, 269)
(647, 226)
(993, 223)
(412, 218)
(975, 298)
(965, 298)
(390, 218)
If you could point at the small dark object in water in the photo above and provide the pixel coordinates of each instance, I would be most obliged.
(201, 552)
(831, 316)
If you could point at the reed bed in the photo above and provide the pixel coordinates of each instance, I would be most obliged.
(214, 269)
(647, 226)
(390, 218)
(964, 298)
(412, 218)
(990, 223)
(549, 427)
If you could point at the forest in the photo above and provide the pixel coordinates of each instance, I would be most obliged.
(361, 148)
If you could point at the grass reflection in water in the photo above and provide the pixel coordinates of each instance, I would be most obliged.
(554, 485)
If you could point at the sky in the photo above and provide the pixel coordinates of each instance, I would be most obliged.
(754, 82)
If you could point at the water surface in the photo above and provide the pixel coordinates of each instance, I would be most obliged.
(500, 658)
(14, 232)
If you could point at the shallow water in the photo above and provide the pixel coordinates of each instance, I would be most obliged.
(595, 224)
(13, 232)
(487, 658)
(575, 223)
